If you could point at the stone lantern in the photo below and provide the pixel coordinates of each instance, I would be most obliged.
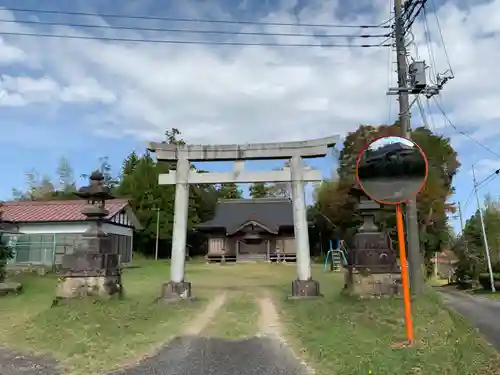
(94, 268)
(372, 266)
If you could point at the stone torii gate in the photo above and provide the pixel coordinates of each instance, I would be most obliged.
(303, 286)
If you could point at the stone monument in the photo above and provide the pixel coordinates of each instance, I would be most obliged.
(93, 269)
(372, 268)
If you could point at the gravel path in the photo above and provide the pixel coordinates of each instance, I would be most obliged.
(13, 363)
(211, 356)
(194, 355)
(481, 312)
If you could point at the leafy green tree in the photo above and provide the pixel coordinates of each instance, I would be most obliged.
(129, 164)
(259, 190)
(229, 191)
(470, 247)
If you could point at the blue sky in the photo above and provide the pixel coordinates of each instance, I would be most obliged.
(84, 99)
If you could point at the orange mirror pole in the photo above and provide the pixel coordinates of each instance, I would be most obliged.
(404, 273)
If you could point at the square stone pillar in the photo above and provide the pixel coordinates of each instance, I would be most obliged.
(304, 285)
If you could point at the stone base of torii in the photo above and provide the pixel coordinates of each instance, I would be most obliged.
(304, 286)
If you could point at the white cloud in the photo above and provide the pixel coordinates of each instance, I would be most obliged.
(244, 94)
(23, 90)
(10, 54)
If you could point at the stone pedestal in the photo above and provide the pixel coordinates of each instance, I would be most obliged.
(88, 273)
(172, 292)
(10, 287)
(79, 287)
(305, 288)
(369, 285)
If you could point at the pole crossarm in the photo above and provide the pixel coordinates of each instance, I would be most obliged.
(250, 151)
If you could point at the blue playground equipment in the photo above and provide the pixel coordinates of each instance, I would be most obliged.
(336, 256)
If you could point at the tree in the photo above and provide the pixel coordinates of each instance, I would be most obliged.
(229, 191)
(66, 177)
(259, 190)
(281, 189)
(432, 201)
(66, 186)
(471, 251)
(39, 187)
(171, 136)
(129, 164)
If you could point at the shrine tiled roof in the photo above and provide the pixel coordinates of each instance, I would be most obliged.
(272, 213)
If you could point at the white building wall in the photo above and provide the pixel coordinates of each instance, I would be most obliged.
(39, 228)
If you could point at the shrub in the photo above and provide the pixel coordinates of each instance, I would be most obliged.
(6, 253)
(484, 280)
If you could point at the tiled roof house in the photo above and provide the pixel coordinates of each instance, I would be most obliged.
(46, 230)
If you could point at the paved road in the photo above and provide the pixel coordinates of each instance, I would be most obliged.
(481, 312)
(12, 363)
(391, 190)
(211, 356)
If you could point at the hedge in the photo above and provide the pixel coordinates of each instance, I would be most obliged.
(484, 280)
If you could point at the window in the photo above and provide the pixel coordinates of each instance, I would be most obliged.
(66, 243)
(35, 248)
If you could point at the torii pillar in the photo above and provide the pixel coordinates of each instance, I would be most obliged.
(296, 174)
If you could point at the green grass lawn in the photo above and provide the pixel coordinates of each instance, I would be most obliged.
(89, 337)
(335, 334)
(342, 335)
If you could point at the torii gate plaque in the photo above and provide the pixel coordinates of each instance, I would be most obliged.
(303, 286)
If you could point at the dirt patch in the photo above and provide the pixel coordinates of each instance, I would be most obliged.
(201, 321)
(270, 325)
(269, 321)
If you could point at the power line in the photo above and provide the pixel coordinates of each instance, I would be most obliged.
(422, 113)
(442, 38)
(206, 42)
(409, 22)
(428, 42)
(481, 184)
(461, 132)
(175, 19)
(192, 31)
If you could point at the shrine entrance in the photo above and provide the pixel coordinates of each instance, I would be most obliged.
(295, 174)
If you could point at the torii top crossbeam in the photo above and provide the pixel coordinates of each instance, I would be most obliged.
(251, 151)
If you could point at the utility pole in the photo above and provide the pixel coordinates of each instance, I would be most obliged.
(157, 231)
(485, 240)
(414, 256)
(460, 215)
